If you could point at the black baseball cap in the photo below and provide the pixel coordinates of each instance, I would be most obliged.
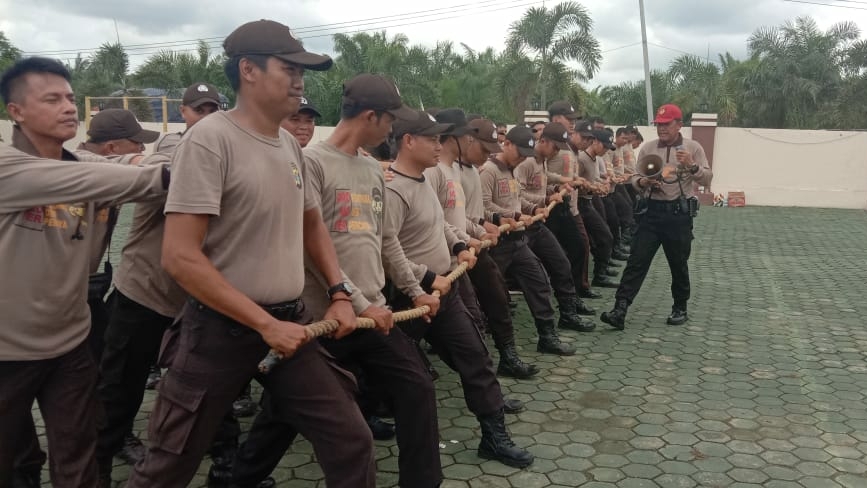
(306, 106)
(457, 118)
(584, 128)
(421, 124)
(117, 123)
(485, 131)
(558, 134)
(522, 138)
(199, 94)
(267, 37)
(376, 92)
(563, 108)
(606, 138)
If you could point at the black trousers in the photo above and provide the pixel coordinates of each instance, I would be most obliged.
(659, 227)
(132, 344)
(562, 224)
(99, 317)
(65, 388)
(493, 297)
(600, 236)
(542, 242)
(515, 259)
(611, 217)
(211, 359)
(31, 457)
(623, 205)
(585, 238)
(461, 346)
(391, 363)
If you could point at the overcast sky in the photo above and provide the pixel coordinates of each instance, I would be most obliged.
(61, 28)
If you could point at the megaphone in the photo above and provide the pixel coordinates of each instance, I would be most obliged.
(650, 166)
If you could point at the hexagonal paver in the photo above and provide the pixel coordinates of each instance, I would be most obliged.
(763, 388)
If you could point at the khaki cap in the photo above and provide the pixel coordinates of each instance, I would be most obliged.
(267, 37)
(522, 138)
(485, 131)
(199, 94)
(117, 123)
(423, 124)
(558, 134)
(376, 92)
(563, 108)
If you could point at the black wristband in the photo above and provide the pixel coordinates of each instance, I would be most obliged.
(495, 218)
(694, 168)
(427, 281)
(459, 248)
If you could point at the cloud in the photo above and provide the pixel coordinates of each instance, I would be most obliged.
(674, 26)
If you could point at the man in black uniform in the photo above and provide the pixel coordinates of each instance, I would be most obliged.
(667, 219)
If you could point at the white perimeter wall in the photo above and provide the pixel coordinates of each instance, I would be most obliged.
(773, 167)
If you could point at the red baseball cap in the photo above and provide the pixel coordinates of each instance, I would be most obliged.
(667, 113)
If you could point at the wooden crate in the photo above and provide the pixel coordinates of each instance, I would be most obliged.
(737, 199)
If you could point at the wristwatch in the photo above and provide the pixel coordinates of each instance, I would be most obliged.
(341, 287)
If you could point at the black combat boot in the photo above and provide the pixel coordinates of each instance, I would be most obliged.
(617, 317)
(569, 318)
(497, 444)
(244, 405)
(549, 342)
(678, 315)
(132, 451)
(513, 406)
(512, 366)
(619, 255)
(381, 430)
(600, 279)
(588, 293)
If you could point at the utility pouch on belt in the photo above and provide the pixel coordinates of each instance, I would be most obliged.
(688, 206)
(640, 205)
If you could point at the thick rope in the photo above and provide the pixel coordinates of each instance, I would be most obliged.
(327, 327)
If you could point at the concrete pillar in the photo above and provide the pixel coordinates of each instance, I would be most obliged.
(704, 132)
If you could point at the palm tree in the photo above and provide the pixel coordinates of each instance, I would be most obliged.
(800, 71)
(173, 71)
(8, 55)
(558, 35)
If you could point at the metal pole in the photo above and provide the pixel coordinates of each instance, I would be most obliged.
(87, 112)
(647, 89)
(165, 115)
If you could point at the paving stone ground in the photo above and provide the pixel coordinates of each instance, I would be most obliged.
(764, 387)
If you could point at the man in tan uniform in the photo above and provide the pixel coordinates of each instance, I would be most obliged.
(667, 219)
(116, 135)
(502, 197)
(486, 276)
(199, 100)
(47, 250)
(144, 303)
(348, 187)
(244, 273)
(484, 283)
(302, 124)
(563, 263)
(413, 215)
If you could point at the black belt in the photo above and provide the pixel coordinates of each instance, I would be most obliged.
(281, 309)
(668, 206)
